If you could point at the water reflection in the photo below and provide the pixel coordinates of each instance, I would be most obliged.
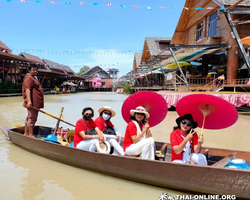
(35, 177)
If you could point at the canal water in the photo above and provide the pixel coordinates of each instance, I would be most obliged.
(27, 176)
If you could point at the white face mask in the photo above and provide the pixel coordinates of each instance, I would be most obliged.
(105, 116)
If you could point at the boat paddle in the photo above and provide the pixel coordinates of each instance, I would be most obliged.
(52, 116)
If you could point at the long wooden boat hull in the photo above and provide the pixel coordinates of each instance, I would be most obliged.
(192, 178)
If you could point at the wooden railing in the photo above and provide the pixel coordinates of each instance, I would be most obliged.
(200, 81)
(243, 81)
(205, 81)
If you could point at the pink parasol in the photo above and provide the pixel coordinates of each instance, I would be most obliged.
(209, 111)
(154, 103)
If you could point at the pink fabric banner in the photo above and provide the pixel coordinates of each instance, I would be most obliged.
(236, 99)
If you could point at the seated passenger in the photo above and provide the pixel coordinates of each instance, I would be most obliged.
(186, 145)
(109, 131)
(87, 135)
(138, 138)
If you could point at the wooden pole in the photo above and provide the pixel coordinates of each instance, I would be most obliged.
(185, 80)
(52, 116)
(233, 6)
(58, 121)
(3, 72)
(15, 71)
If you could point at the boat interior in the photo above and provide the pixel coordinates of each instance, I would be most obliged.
(215, 157)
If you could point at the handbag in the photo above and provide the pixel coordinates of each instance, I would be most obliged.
(90, 131)
(109, 131)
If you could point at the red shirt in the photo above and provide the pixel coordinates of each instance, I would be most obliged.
(80, 127)
(176, 139)
(101, 124)
(130, 131)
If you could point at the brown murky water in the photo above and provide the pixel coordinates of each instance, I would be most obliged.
(27, 176)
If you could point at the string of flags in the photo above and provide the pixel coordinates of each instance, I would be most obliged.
(109, 4)
(122, 52)
(76, 66)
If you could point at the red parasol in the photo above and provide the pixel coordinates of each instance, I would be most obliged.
(154, 103)
(209, 111)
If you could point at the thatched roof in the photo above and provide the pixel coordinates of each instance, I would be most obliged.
(156, 45)
(137, 59)
(4, 48)
(67, 69)
(53, 66)
(94, 70)
(32, 57)
(224, 3)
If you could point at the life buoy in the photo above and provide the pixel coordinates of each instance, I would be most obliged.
(105, 150)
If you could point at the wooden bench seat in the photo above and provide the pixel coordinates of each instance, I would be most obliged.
(224, 161)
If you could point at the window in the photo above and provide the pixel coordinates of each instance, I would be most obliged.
(212, 25)
(199, 31)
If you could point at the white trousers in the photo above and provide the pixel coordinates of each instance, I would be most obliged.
(197, 158)
(145, 147)
(89, 145)
(118, 150)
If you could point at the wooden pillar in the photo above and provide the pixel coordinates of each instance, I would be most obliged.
(204, 65)
(15, 72)
(10, 72)
(3, 72)
(20, 73)
(232, 61)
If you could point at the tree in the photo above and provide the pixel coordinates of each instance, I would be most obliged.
(82, 70)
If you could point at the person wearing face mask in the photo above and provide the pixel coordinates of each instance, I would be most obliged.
(186, 145)
(109, 131)
(87, 134)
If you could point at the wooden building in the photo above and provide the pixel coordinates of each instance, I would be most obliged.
(97, 72)
(201, 23)
(155, 49)
(14, 67)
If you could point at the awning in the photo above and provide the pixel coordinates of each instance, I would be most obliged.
(69, 83)
(188, 56)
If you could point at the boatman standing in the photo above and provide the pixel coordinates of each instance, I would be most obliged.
(33, 96)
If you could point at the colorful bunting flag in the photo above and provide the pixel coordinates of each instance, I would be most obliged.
(23, 1)
(109, 4)
(67, 3)
(123, 6)
(8, 0)
(149, 8)
(221, 9)
(185, 8)
(81, 3)
(37, 1)
(136, 6)
(198, 8)
(52, 2)
(161, 6)
(210, 8)
(95, 4)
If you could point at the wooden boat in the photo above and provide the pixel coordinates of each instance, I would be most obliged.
(212, 179)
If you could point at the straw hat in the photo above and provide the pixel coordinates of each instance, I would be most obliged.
(107, 108)
(140, 109)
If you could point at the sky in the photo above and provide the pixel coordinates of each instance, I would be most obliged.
(48, 29)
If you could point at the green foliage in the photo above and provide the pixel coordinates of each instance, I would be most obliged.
(7, 87)
(82, 70)
(127, 88)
